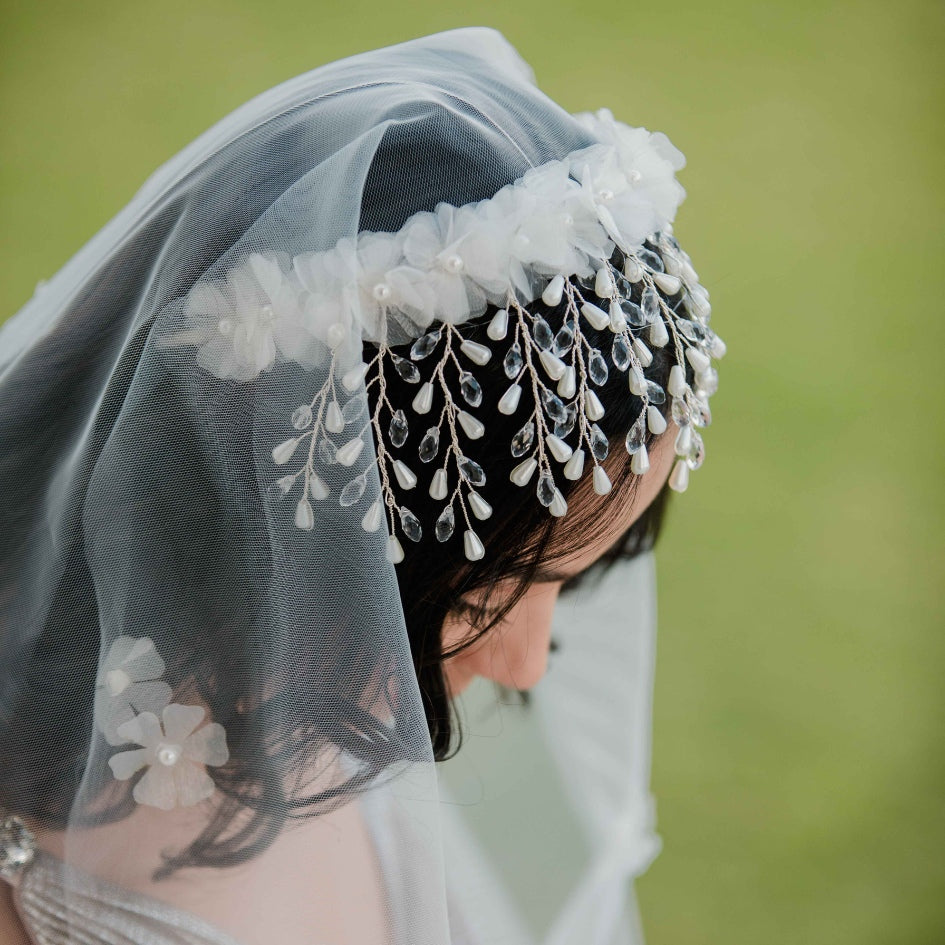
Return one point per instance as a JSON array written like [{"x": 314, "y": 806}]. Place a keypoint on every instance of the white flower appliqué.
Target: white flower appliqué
[
  {"x": 175, "y": 752},
  {"x": 128, "y": 682}
]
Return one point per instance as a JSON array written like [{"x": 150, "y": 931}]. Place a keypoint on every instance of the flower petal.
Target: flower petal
[
  {"x": 143, "y": 729},
  {"x": 207, "y": 745},
  {"x": 181, "y": 720},
  {"x": 125, "y": 763},
  {"x": 157, "y": 788}
]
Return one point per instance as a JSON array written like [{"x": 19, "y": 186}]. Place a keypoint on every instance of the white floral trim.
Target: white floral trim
[
  {"x": 132, "y": 704},
  {"x": 128, "y": 682},
  {"x": 174, "y": 751},
  {"x": 563, "y": 217}
]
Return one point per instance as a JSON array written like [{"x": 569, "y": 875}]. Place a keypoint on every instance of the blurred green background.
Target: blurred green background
[{"x": 798, "y": 754}]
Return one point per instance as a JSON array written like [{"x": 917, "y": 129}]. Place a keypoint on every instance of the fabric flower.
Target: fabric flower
[
  {"x": 249, "y": 318},
  {"x": 128, "y": 682},
  {"x": 174, "y": 753}
]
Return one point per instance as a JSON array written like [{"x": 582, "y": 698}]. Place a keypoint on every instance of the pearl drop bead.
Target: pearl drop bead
[
  {"x": 499, "y": 326},
  {"x": 472, "y": 546},
  {"x": 593, "y": 408},
  {"x": 558, "y": 448},
  {"x": 472, "y": 426},
  {"x": 438, "y": 485},
  {"x": 476, "y": 352},
  {"x": 677, "y": 381},
  {"x": 553, "y": 365},
  {"x": 655, "y": 420},
  {"x": 371, "y": 521},
  {"x": 640, "y": 462},
  {"x": 405, "y": 475},
  {"x": 604, "y": 286},
  {"x": 558, "y": 506},
  {"x": 353, "y": 378},
  {"x": 480, "y": 508},
  {"x": 598, "y": 318},
  {"x": 683, "y": 440},
  {"x": 424, "y": 398},
  {"x": 574, "y": 467},
  {"x": 553, "y": 291},
  {"x": 335, "y": 334},
  {"x": 523, "y": 471},
  {"x": 567, "y": 386},
  {"x": 319, "y": 488},
  {"x": 334, "y": 419},
  {"x": 395, "y": 551},
  {"x": 679, "y": 477},
  {"x": 348, "y": 453},
  {"x": 659, "y": 336},
  {"x": 669, "y": 284},
  {"x": 698, "y": 360},
  {"x": 602, "y": 484},
  {"x": 508, "y": 402},
  {"x": 304, "y": 515}
]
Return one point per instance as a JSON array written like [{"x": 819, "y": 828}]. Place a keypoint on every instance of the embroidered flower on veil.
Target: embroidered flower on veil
[
  {"x": 128, "y": 682},
  {"x": 175, "y": 752}
]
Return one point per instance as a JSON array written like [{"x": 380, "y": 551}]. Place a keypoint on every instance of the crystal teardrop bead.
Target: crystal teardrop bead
[
  {"x": 302, "y": 417},
  {"x": 553, "y": 405},
  {"x": 541, "y": 332},
  {"x": 371, "y": 520},
  {"x": 683, "y": 440},
  {"x": 574, "y": 467},
  {"x": 353, "y": 491},
  {"x": 593, "y": 408},
  {"x": 523, "y": 440},
  {"x": 472, "y": 426},
  {"x": 650, "y": 260},
  {"x": 654, "y": 393},
  {"x": 564, "y": 341},
  {"x": 696, "y": 455},
  {"x": 472, "y": 546},
  {"x": 636, "y": 435},
  {"x": 650, "y": 304},
  {"x": 708, "y": 381},
  {"x": 558, "y": 506},
  {"x": 334, "y": 418},
  {"x": 564, "y": 427},
  {"x": 284, "y": 484},
  {"x": 471, "y": 471},
  {"x": 567, "y": 386},
  {"x": 508, "y": 402},
  {"x": 553, "y": 292},
  {"x": 655, "y": 421},
  {"x": 600, "y": 446},
  {"x": 597, "y": 317},
  {"x": 701, "y": 414},
  {"x": 679, "y": 477},
  {"x": 445, "y": 524},
  {"x": 318, "y": 488},
  {"x": 546, "y": 489},
  {"x": 602, "y": 484},
  {"x": 354, "y": 407},
  {"x": 411, "y": 525},
  {"x": 659, "y": 336},
  {"x": 394, "y": 550},
  {"x": 470, "y": 389},
  {"x": 347, "y": 455},
  {"x": 690, "y": 330},
  {"x": 398, "y": 428},
  {"x": 499, "y": 326},
  {"x": 424, "y": 346},
  {"x": 681, "y": 413},
  {"x": 424, "y": 399},
  {"x": 406, "y": 369},
  {"x": 597, "y": 367},
  {"x": 305, "y": 515},
  {"x": 430, "y": 445},
  {"x": 640, "y": 462},
  {"x": 524, "y": 471},
  {"x": 512, "y": 362},
  {"x": 633, "y": 314},
  {"x": 327, "y": 451},
  {"x": 620, "y": 353},
  {"x": 477, "y": 353},
  {"x": 405, "y": 475},
  {"x": 480, "y": 508},
  {"x": 558, "y": 448},
  {"x": 438, "y": 485}
]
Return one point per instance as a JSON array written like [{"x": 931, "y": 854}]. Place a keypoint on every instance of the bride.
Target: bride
[{"x": 310, "y": 436}]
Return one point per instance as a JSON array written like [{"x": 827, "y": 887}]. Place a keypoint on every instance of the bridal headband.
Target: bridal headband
[{"x": 589, "y": 235}]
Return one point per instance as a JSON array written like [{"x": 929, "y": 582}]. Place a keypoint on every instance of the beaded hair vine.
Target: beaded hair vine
[{"x": 554, "y": 234}]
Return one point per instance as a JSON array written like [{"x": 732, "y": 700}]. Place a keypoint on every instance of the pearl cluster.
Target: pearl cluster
[{"x": 560, "y": 370}]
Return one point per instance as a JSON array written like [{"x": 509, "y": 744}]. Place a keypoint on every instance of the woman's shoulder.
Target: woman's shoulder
[{"x": 12, "y": 931}]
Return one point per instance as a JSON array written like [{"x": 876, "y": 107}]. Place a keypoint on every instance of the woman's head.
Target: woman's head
[{"x": 491, "y": 617}]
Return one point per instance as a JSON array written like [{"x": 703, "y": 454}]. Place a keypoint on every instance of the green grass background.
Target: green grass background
[{"x": 798, "y": 760}]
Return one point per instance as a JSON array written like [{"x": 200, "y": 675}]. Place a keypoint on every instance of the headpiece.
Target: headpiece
[{"x": 554, "y": 234}]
